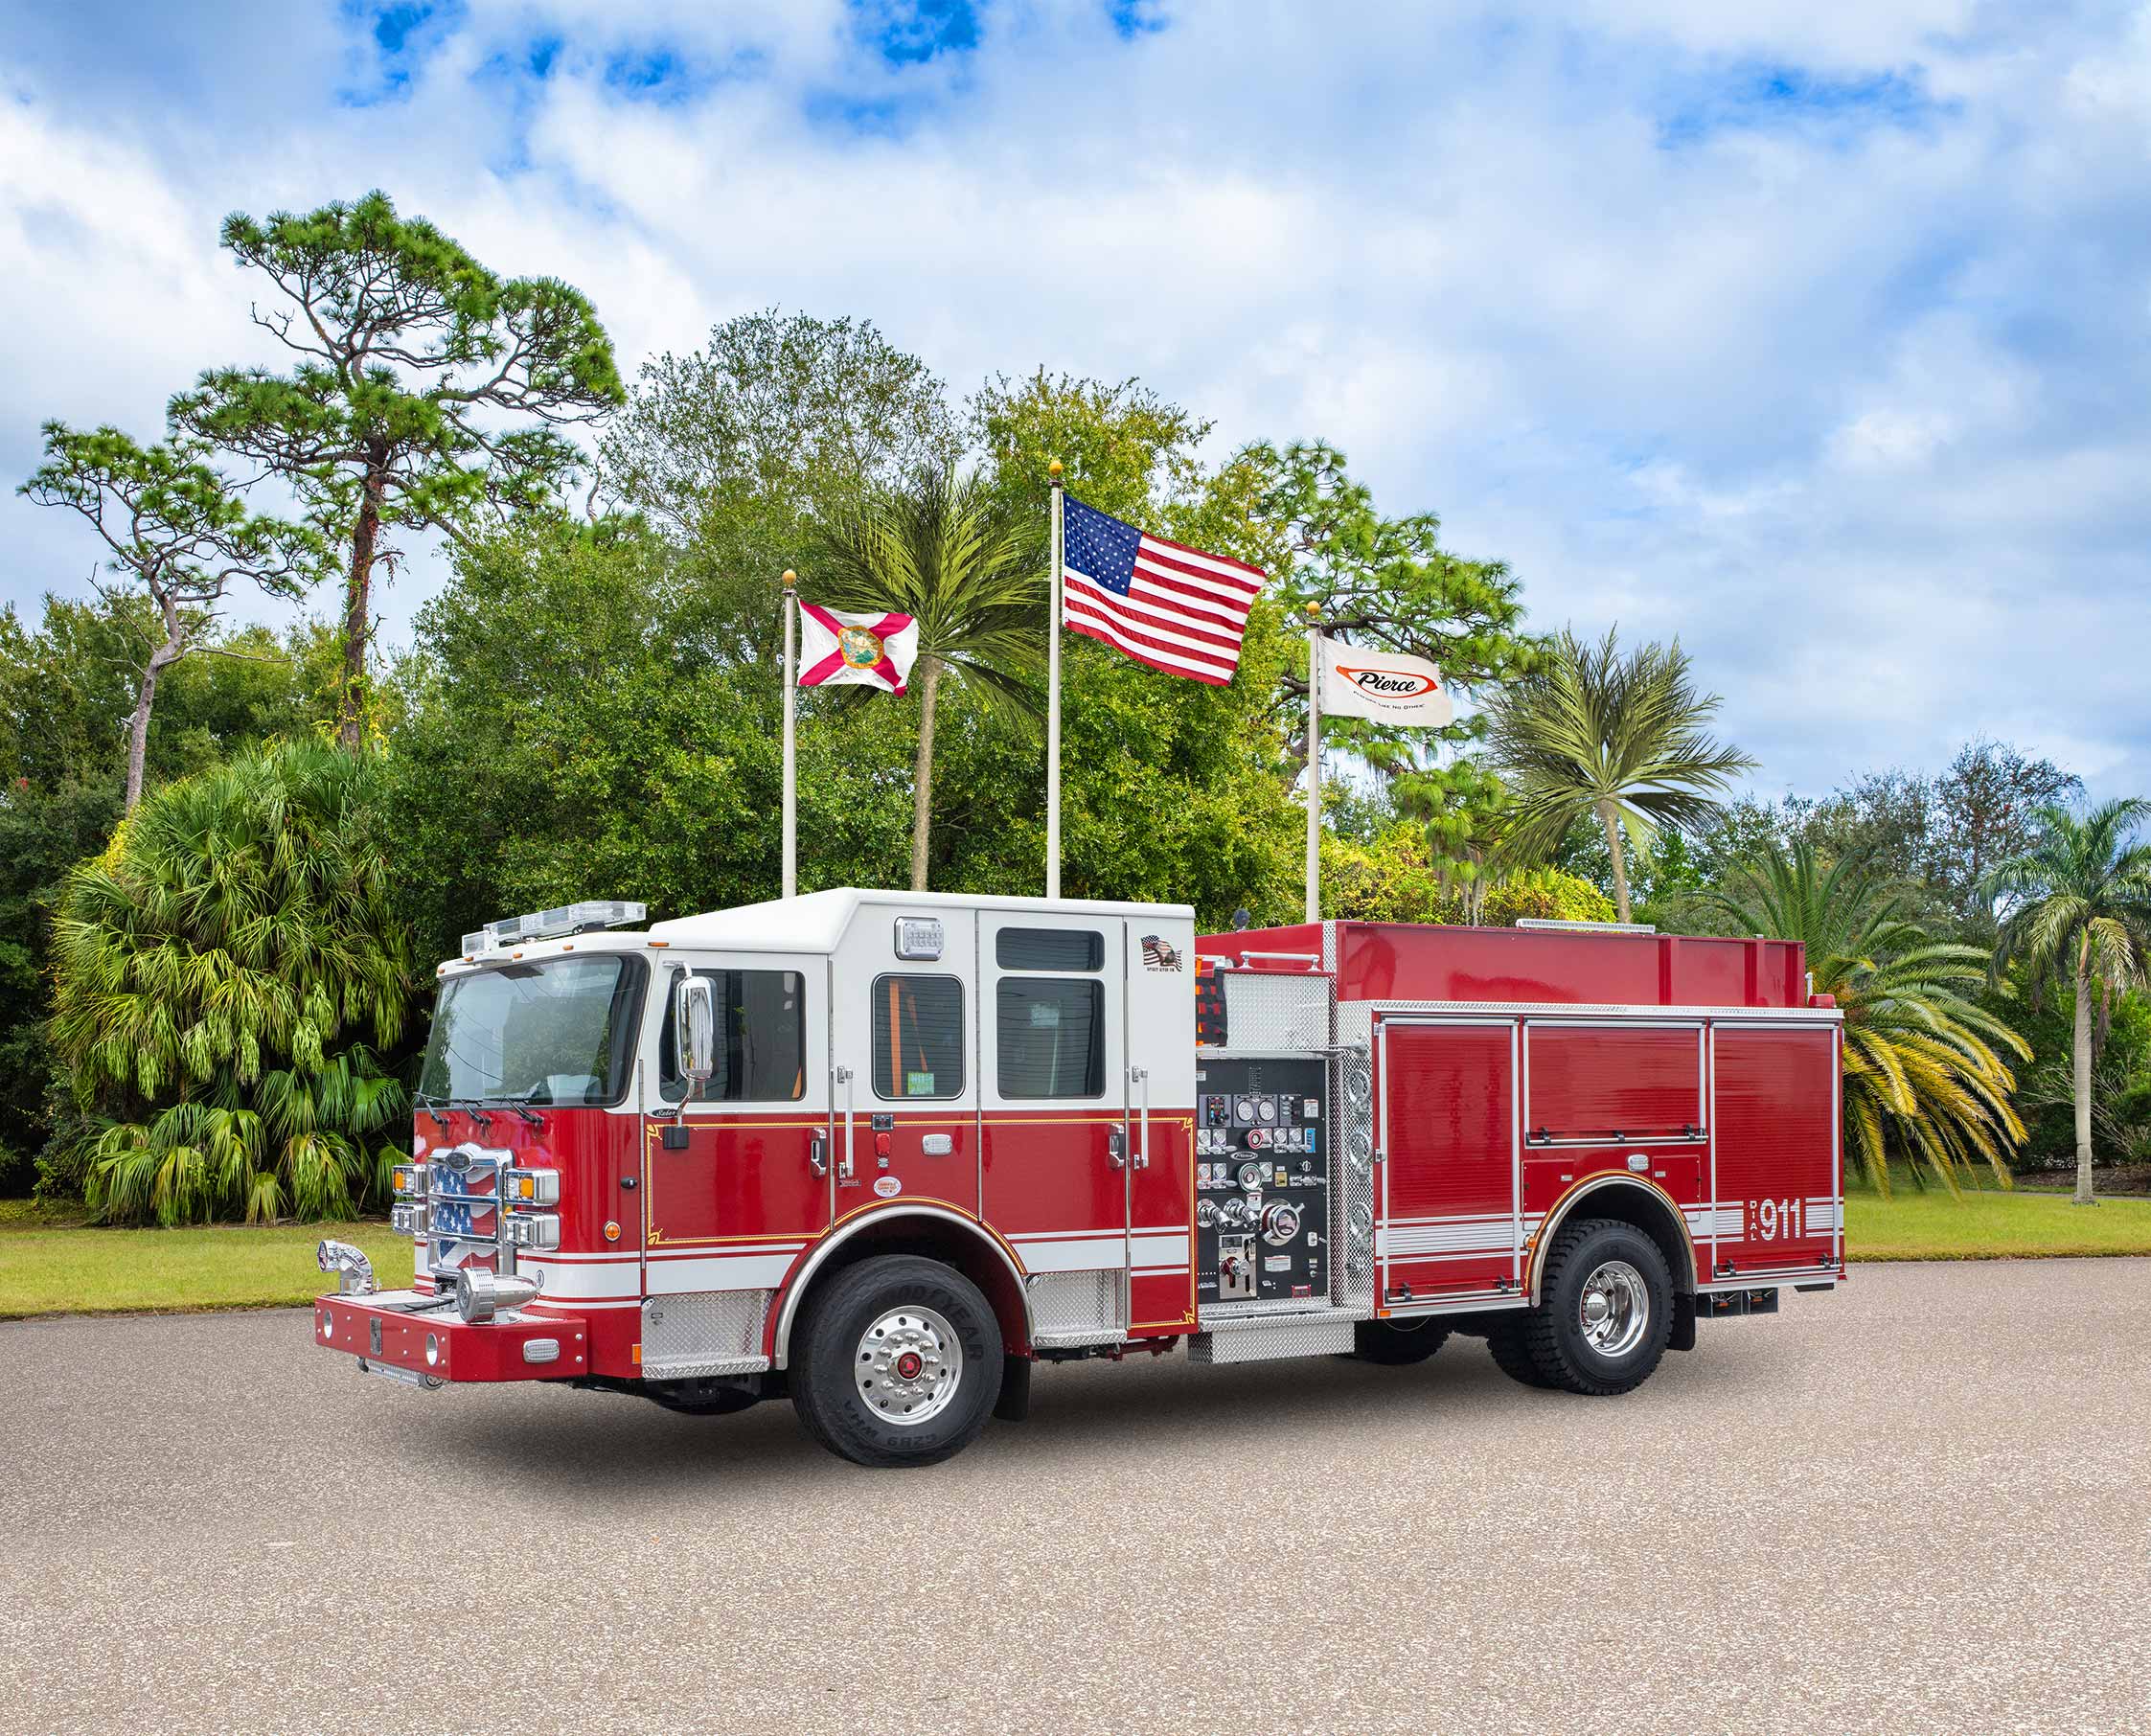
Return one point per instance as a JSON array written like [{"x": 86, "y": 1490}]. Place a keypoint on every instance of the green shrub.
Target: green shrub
[{"x": 216, "y": 971}]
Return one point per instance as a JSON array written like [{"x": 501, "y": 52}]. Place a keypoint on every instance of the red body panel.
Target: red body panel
[
  {"x": 1777, "y": 1150},
  {"x": 1449, "y": 1133},
  {"x": 1402, "y": 961},
  {"x": 1612, "y": 1082}
]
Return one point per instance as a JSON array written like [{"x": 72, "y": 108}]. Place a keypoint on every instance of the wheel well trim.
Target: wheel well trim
[
  {"x": 797, "y": 1285},
  {"x": 1542, "y": 1239}
]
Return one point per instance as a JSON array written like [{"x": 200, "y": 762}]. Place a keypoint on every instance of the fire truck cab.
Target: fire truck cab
[{"x": 882, "y": 1152}]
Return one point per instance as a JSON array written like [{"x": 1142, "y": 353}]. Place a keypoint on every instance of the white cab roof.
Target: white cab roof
[{"x": 816, "y": 922}]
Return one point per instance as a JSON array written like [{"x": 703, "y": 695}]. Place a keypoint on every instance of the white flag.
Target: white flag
[
  {"x": 838, "y": 649},
  {"x": 1383, "y": 686}
]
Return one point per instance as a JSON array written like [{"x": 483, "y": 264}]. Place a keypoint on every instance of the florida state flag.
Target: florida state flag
[{"x": 836, "y": 647}]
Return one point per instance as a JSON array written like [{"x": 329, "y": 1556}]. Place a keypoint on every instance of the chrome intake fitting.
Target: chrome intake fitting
[
  {"x": 355, "y": 1272},
  {"x": 481, "y": 1294}
]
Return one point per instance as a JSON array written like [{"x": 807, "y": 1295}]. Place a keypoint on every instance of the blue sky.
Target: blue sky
[{"x": 1818, "y": 335}]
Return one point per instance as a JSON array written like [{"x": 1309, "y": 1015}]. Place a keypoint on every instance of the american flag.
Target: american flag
[{"x": 1164, "y": 603}]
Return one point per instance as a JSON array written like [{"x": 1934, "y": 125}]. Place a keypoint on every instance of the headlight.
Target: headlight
[
  {"x": 535, "y": 1229},
  {"x": 407, "y": 1220},
  {"x": 531, "y": 1187}
]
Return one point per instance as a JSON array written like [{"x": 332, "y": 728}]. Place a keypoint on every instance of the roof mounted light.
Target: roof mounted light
[
  {"x": 554, "y": 925},
  {"x": 1548, "y": 924}
]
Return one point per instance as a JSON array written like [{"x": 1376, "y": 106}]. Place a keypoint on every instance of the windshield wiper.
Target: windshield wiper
[{"x": 429, "y": 1106}]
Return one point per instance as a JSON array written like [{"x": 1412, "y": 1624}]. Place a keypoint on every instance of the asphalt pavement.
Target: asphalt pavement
[{"x": 1922, "y": 1505}]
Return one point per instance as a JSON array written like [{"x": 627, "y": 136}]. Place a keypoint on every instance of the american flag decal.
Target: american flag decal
[
  {"x": 1158, "y": 956},
  {"x": 1174, "y": 607}
]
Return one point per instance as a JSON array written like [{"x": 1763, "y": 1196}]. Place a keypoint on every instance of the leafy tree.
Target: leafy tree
[
  {"x": 943, "y": 551},
  {"x": 733, "y": 450},
  {"x": 415, "y": 363},
  {"x": 1922, "y": 1075},
  {"x": 2078, "y": 908},
  {"x": 1941, "y": 834},
  {"x": 578, "y": 725},
  {"x": 1621, "y": 738},
  {"x": 173, "y": 526},
  {"x": 217, "y": 974},
  {"x": 1396, "y": 878}
]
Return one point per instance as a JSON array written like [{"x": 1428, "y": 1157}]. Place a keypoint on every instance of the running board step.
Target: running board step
[{"x": 1260, "y": 1340}]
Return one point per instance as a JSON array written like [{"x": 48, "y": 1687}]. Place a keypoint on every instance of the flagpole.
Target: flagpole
[
  {"x": 1313, "y": 762},
  {"x": 1053, "y": 702},
  {"x": 790, "y": 766}
]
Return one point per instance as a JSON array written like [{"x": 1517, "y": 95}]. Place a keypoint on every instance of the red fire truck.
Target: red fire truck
[{"x": 882, "y": 1152}]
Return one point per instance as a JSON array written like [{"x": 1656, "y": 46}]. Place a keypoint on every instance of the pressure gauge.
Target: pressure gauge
[
  {"x": 1244, "y": 1111},
  {"x": 1265, "y": 1110}
]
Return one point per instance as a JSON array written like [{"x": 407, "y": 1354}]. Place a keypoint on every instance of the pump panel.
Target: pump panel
[{"x": 1262, "y": 1179}]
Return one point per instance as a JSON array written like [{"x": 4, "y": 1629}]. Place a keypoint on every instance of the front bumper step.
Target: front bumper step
[{"x": 428, "y": 1342}]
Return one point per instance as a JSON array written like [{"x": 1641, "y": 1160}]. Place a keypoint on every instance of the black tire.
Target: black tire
[
  {"x": 838, "y": 1330},
  {"x": 1397, "y": 1343},
  {"x": 708, "y": 1397},
  {"x": 1505, "y": 1342},
  {"x": 1555, "y": 1333}
]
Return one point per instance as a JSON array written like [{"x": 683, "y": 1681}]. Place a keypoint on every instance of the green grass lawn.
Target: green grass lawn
[
  {"x": 1988, "y": 1224},
  {"x": 52, "y": 1265}
]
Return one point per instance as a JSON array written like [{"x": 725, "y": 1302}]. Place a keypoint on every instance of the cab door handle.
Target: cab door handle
[
  {"x": 817, "y": 1153},
  {"x": 1116, "y": 1148}
]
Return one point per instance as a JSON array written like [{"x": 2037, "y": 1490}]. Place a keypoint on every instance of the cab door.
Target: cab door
[
  {"x": 1055, "y": 1144},
  {"x": 739, "y": 1177}
]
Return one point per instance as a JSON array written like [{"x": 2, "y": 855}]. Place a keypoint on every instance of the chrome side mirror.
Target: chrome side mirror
[{"x": 694, "y": 1031}]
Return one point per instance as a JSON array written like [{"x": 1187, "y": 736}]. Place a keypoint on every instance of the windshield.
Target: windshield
[{"x": 556, "y": 1032}]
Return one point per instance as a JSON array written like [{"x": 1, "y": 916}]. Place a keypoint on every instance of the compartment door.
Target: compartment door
[
  {"x": 1447, "y": 1227},
  {"x": 1774, "y": 1149}
]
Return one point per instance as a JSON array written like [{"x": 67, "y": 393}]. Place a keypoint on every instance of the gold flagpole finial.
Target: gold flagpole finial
[
  {"x": 1053, "y": 468},
  {"x": 1314, "y": 612},
  {"x": 791, "y": 578}
]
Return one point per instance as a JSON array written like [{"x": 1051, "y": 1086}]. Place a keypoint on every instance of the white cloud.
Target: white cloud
[{"x": 1815, "y": 335}]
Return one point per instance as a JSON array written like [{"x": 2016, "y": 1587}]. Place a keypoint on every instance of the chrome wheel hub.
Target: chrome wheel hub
[
  {"x": 908, "y": 1365},
  {"x": 1616, "y": 1309}
]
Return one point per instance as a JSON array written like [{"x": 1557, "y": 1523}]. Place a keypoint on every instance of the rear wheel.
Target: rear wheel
[
  {"x": 1397, "y": 1343},
  {"x": 1604, "y": 1310},
  {"x": 897, "y": 1361}
]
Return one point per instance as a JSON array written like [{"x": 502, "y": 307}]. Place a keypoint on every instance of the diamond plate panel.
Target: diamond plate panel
[
  {"x": 1076, "y": 1307},
  {"x": 710, "y": 1332},
  {"x": 1253, "y": 1343},
  {"x": 1266, "y": 1012}
]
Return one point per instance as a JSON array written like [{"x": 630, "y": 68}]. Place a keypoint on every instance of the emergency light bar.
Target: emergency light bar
[{"x": 554, "y": 925}]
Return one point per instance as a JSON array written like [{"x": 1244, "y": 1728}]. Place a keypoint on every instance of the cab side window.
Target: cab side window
[
  {"x": 761, "y": 1039},
  {"x": 918, "y": 1037},
  {"x": 1049, "y": 1032}
]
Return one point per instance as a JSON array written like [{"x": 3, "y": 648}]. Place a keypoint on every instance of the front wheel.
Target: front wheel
[
  {"x": 897, "y": 1362},
  {"x": 1604, "y": 1310}
]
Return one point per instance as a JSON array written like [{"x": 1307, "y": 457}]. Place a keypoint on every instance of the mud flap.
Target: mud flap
[
  {"x": 1683, "y": 1323},
  {"x": 1015, "y": 1403}
]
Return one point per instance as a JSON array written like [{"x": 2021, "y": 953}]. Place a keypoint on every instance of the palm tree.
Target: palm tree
[
  {"x": 2079, "y": 909},
  {"x": 1623, "y": 737},
  {"x": 944, "y": 550},
  {"x": 1921, "y": 1072},
  {"x": 215, "y": 972}
]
